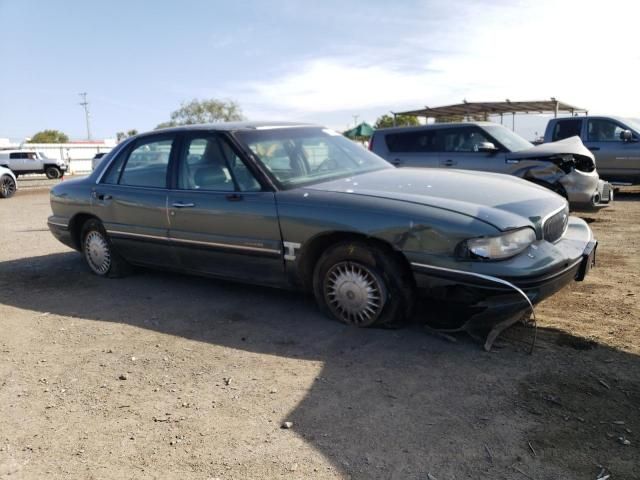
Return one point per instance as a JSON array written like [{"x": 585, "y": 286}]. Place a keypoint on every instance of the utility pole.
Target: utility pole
[
  {"x": 355, "y": 120},
  {"x": 85, "y": 104}
]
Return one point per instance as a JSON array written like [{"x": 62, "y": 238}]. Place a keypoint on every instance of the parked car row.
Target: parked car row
[
  {"x": 300, "y": 206},
  {"x": 565, "y": 167}
]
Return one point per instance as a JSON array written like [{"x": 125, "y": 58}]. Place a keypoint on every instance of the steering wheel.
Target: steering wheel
[{"x": 327, "y": 164}]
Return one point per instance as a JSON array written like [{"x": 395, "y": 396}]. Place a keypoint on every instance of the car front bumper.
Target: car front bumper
[
  {"x": 537, "y": 288},
  {"x": 585, "y": 190},
  {"x": 538, "y": 273}
]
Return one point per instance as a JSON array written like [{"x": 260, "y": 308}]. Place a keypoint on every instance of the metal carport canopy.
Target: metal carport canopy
[{"x": 495, "y": 108}]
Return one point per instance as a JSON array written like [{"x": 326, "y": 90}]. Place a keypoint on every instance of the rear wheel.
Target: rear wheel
[
  {"x": 360, "y": 284},
  {"x": 53, "y": 173},
  {"x": 99, "y": 253},
  {"x": 7, "y": 186}
]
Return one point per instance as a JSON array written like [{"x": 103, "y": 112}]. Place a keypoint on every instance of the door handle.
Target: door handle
[
  {"x": 396, "y": 162},
  {"x": 594, "y": 149},
  {"x": 101, "y": 196},
  {"x": 449, "y": 163},
  {"x": 184, "y": 205},
  {"x": 234, "y": 197}
]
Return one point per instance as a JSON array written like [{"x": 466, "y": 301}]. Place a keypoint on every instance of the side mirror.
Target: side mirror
[
  {"x": 487, "y": 147},
  {"x": 626, "y": 135}
]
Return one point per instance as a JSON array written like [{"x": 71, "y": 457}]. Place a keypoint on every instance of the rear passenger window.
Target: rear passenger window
[
  {"x": 147, "y": 165},
  {"x": 566, "y": 128},
  {"x": 407, "y": 142},
  {"x": 144, "y": 166}
]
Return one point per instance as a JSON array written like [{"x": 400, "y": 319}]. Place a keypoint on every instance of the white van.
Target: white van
[{"x": 21, "y": 162}]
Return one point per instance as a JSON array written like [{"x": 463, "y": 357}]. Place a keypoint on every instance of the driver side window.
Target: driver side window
[
  {"x": 209, "y": 163},
  {"x": 600, "y": 130},
  {"x": 463, "y": 140}
]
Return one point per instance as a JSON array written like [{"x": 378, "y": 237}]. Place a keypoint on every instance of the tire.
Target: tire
[
  {"x": 7, "y": 186},
  {"x": 53, "y": 172},
  {"x": 360, "y": 284},
  {"x": 97, "y": 249}
]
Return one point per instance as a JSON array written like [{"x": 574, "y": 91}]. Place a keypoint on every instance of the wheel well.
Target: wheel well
[
  {"x": 312, "y": 251},
  {"x": 75, "y": 227}
]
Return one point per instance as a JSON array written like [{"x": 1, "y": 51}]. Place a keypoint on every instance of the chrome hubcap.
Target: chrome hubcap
[
  {"x": 354, "y": 293},
  {"x": 97, "y": 252}
]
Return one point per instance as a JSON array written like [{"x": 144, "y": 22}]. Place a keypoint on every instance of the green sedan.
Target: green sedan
[{"x": 300, "y": 206}]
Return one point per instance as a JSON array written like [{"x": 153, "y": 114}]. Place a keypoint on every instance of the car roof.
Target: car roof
[
  {"x": 233, "y": 126},
  {"x": 581, "y": 117},
  {"x": 434, "y": 126}
]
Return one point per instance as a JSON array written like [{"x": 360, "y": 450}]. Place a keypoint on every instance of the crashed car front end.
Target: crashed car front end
[
  {"x": 500, "y": 290},
  {"x": 567, "y": 167},
  {"x": 541, "y": 268}
]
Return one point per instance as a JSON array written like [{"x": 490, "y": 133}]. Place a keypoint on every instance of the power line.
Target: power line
[{"x": 85, "y": 104}]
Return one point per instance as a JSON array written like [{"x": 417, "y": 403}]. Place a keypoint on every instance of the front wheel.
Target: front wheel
[
  {"x": 7, "y": 186},
  {"x": 98, "y": 251},
  {"x": 360, "y": 284},
  {"x": 53, "y": 172}
]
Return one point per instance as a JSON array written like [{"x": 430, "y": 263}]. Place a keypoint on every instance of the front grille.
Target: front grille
[{"x": 555, "y": 226}]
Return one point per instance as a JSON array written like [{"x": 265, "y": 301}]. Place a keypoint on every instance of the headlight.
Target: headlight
[{"x": 501, "y": 246}]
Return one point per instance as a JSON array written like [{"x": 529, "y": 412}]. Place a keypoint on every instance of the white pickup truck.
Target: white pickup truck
[{"x": 21, "y": 162}]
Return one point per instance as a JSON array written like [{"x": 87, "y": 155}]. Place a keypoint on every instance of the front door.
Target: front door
[
  {"x": 131, "y": 201},
  {"x": 221, "y": 221},
  {"x": 616, "y": 159},
  {"x": 460, "y": 147}
]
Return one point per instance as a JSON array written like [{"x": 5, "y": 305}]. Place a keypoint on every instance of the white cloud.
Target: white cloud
[{"x": 582, "y": 52}]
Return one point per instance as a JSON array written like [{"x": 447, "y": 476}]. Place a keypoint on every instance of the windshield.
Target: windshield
[
  {"x": 304, "y": 156},
  {"x": 633, "y": 123},
  {"x": 511, "y": 141}
]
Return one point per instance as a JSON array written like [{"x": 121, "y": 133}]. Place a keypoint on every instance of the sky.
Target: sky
[{"x": 323, "y": 62}]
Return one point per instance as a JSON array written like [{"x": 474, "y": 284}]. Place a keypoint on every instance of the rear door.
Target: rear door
[
  {"x": 31, "y": 162},
  {"x": 566, "y": 128},
  {"x": 17, "y": 161},
  {"x": 222, "y": 221},
  {"x": 414, "y": 148},
  {"x": 459, "y": 147},
  {"x": 131, "y": 201},
  {"x": 616, "y": 159}
]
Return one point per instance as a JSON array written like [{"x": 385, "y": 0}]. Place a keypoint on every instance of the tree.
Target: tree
[
  {"x": 386, "y": 121},
  {"x": 204, "y": 111},
  {"x": 49, "y": 136},
  {"x": 122, "y": 135}
]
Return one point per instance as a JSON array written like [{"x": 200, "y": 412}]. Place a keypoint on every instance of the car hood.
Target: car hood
[
  {"x": 503, "y": 201},
  {"x": 568, "y": 146}
]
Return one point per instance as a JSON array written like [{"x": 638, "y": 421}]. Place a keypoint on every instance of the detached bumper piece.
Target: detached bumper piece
[{"x": 588, "y": 261}]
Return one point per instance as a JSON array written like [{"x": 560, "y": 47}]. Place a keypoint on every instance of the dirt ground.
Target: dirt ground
[{"x": 166, "y": 376}]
